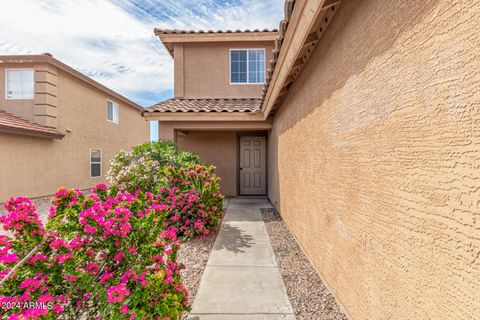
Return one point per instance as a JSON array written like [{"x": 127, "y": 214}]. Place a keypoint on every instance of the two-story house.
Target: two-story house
[
  {"x": 370, "y": 115},
  {"x": 59, "y": 127},
  {"x": 219, "y": 77}
]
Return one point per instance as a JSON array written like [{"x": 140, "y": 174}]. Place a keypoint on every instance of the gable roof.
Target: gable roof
[
  {"x": 13, "y": 124},
  {"x": 299, "y": 33},
  {"x": 205, "y": 105}
]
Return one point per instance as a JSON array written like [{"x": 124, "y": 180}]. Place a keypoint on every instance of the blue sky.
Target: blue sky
[{"x": 113, "y": 42}]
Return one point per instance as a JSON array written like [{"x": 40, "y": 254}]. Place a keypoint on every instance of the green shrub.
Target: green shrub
[
  {"x": 178, "y": 179},
  {"x": 140, "y": 168}
]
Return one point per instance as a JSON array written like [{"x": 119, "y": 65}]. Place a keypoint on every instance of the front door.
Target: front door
[{"x": 252, "y": 166}]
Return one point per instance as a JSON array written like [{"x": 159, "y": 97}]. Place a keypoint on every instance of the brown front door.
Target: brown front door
[{"x": 252, "y": 166}]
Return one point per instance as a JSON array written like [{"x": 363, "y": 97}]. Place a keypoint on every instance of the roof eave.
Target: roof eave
[
  {"x": 31, "y": 133},
  {"x": 300, "y": 32},
  {"x": 169, "y": 39},
  {"x": 202, "y": 116}
]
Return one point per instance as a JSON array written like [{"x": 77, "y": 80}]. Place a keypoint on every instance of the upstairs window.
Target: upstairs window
[
  {"x": 112, "y": 111},
  {"x": 95, "y": 163},
  {"x": 247, "y": 66},
  {"x": 19, "y": 83}
]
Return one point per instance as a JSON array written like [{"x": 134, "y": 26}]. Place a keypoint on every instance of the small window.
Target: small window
[
  {"x": 95, "y": 163},
  {"x": 112, "y": 111},
  {"x": 19, "y": 83},
  {"x": 247, "y": 66}
]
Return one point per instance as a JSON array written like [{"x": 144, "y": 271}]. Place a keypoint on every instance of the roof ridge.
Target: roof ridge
[{"x": 158, "y": 31}]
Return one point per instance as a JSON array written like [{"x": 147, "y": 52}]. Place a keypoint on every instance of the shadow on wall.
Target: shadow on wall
[{"x": 234, "y": 239}]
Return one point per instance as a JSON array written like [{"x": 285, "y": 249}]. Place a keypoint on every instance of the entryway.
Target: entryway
[{"x": 253, "y": 173}]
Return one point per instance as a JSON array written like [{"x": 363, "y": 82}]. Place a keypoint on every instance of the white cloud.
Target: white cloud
[{"x": 113, "y": 42}]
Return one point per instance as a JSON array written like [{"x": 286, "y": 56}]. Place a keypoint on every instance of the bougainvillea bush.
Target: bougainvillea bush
[
  {"x": 193, "y": 196},
  {"x": 109, "y": 255},
  {"x": 140, "y": 168},
  {"x": 190, "y": 188}
]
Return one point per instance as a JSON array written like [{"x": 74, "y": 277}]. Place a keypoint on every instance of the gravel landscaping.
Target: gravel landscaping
[
  {"x": 309, "y": 297},
  {"x": 194, "y": 256}
]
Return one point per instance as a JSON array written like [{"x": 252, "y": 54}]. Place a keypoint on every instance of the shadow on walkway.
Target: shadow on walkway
[{"x": 233, "y": 239}]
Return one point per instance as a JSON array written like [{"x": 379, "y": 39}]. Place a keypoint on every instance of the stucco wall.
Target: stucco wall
[
  {"x": 206, "y": 69},
  {"x": 375, "y": 159},
  {"x": 218, "y": 149},
  {"x": 37, "y": 167}
]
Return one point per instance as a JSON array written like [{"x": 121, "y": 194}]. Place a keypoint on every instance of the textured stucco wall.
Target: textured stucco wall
[
  {"x": 37, "y": 167},
  {"x": 218, "y": 149},
  {"x": 375, "y": 159},
  {"x": 206, "y": 70}
]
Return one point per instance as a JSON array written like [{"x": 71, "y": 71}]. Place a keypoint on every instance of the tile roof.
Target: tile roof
[
  {"x": 14, "y": 124},
  {"x": 206, "y": 105},
  {"x": 311, "y": 42},
  {"x": 181, "y": 31}
]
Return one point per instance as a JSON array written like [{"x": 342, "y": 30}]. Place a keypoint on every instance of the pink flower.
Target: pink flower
[
  {"x": 57, "y": 309},
  {"x": 9, "y": 258},
  {"x": 70, "y": 278},
  {"x": 89, "y": 229},
  {"x": 63, "y": 258},
  {"x": 117, "y": 293},
  {"x": 170, "y": 233},
  {"x": 118, "y": 257},
  {"x": 57, "y": 244},
  {"x": 124, "y": 309},
  {"x": 36, "y": 258},
  {"x": 105, "y": 277},
  {"x": 93, "y": 268},
  {"x": 132, "y": 250}
]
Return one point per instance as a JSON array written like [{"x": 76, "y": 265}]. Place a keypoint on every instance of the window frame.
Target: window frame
[
  {"x": 6, "y": 83},
  {"x": 248, "y": 73},
  {"x": 113, "y": 111},
  {"x": 100, "y": 162}
]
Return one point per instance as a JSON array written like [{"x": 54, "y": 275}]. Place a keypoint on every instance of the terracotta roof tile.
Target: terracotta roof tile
[
  {"x": 15, "y": 124},
  {"x": 309, "y": 46},
  {"x": 180, "y": 31},
  {"x": 206, "y": 105}
]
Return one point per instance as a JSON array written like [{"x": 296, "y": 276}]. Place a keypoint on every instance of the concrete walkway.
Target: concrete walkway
[{"x": 242, "y": 279}]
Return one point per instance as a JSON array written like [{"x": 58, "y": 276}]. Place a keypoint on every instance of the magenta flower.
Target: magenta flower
[
  {"x": 117, "y": 293},
  {"x": 119, "y": 256},
  {"x": 9, "y": 258}
]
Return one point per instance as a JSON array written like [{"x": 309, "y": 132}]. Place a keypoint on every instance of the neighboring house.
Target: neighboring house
[
  {"x": 365, "y": 136},
  {"x": 59, "y": 127}
]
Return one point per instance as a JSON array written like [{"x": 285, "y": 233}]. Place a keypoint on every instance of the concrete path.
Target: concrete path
[{"x": 242, "y": 279}]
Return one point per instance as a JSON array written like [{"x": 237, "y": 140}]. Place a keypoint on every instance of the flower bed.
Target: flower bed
[
  {"x": 111, "y": 254},
  {"x": 107, "y": 255}
]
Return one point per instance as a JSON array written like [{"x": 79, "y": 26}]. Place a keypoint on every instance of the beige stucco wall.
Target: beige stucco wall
[
  {"x": 215, "y": 142},
  {"x": 202, "y": 70},
  {"x": 375, "y": 159},
  {"x": 37, "y": 167},
  {"x": 218, "y": 149}
]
